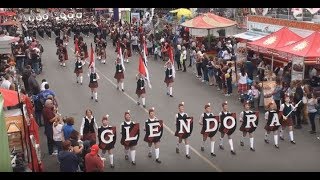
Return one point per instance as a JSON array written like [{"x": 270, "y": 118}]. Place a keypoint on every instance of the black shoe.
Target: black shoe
[
  {"x": 158, "y": 161},
  {"x": 202, "y": 148},
  {"x": 298, "y": 127},
  {"x": 312, "y": 132},
  {"x": 221, "y": 147},
  {"x": 184, "y": 71},
  {"x": 77, "y": 82},
  {"x": 122, "y": 90},
  {"x": 266, "y": 141},
  {"x": 96, "y": 100},
  {"x": 126, "y": 157},
  {"x": 80, "y": 83},
  {"x": 281, "y": 138},
  {"x": 91, "y": 97},
  {"x": 188, "y": 157},
  {"x": 171, "y": 96},
  {"x": 144, "y": 106},
  {"x": 293, "y": 142},
  {"x": 277, "y": 146},
  {"x": 189, "y": 66},
  {"x": 233, "y": 152},
  {"x": 138, "y": 103},
  {"x": 241, "y": 143},
  {"x": 133, "y": 163},
  {"x": 112, "y": 166},
  {"x": 252, "y": 149},
  {"x": 149, "y": 155},
  {"x": 168, "y": 94},
  {"x": 177, "y": 150},
  {"x": 213, "y": 154}
]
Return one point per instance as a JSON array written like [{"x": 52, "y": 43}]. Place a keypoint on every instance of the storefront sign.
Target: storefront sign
[
  {"x": 270, "y": 25},
  {"x": 297, "y": 68}
]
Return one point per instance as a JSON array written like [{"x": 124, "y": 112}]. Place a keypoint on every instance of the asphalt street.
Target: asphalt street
[{"x": 74, "y": 99}]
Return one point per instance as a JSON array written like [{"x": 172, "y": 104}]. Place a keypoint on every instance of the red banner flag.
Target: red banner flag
[
  {"x": 91, "y": 64},
  {"x": 143, "y": 70}
]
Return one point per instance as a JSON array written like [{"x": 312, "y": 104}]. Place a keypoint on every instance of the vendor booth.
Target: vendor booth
[
  {"x": 270, "y": 43},
  {"x": 303, "y": 53},
  {"x": 22, "y": 132}
]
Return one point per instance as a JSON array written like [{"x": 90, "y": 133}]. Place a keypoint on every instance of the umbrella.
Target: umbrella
[
  {"x": 10, "y": 97},
  {"x": 10, "y": 23},
  {"x": 182, "y": 12},
  {"x": 7, "y": 13},
  {"x": 209, "y": 21}
]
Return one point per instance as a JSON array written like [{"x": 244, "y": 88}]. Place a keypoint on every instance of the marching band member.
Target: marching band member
[
  {"x": 131, "y": 147},
  {"x": 207, "y": 114},
  {"x": 156, "y": 142},
  {"x": 141, "y": 90},
  {"x": 169, "y": 77},
  {"x": 244, "y": 119},
  {"x": 78, "y": 69},
  {"x": 88, "y": 127},
  {"x": 94, "y": 77},
  {"x": 83, "y": 48},
  {"x": 104, "y": 147},
  {"x": 125, "y": 50},
  {"x": 62, "y": 55},
  {"x": 119, "y": 75},
  {"x": 285, "y": 118},
  {"x": 182, "y": 115},
  {"x": 273, "y": 123},
  {"x": 65, "y": 40},
  {"x": 224, "y": 113}
]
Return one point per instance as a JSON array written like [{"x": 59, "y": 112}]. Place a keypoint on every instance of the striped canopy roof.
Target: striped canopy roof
[{"x": 208, "y": 21}]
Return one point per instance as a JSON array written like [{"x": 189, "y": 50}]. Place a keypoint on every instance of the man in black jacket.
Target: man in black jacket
[{"x": 296, "y": 99}]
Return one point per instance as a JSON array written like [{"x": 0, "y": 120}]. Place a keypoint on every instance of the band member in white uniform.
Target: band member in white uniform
[
  {"x": 273, "y": 123},
  {"x": 169, "y": 78},
  {"x": 127, "y": 121},
  {"x": 78, "y": 69},
  {"x": 207, "y": 114},
  {"x": 153, "y": 118},
  {"x": 243, "y": 128},
  {"x": 119, "y": 75},
  {"x": 286, "y": 119},
  {"x": 222, "y": 115},
  {"x": 106, "y": 126},
  {"x": 141, "y": 90},
  {"x": 181, "y": 114},
  {"x": 94, "y": 77}
]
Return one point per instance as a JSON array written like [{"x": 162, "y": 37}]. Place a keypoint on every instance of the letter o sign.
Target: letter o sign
[{"x": 229, "y": 118}]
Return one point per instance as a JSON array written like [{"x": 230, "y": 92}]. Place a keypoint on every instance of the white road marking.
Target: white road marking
[{"x": 165, "y": 126}]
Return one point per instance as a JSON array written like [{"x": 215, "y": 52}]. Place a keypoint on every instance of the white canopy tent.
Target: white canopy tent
[
  {"x": 5, "y": 43},
  {"x": 251, "y": 35}
]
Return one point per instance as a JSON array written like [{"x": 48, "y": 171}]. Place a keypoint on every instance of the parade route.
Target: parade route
[{"x": 74, "y": 99}]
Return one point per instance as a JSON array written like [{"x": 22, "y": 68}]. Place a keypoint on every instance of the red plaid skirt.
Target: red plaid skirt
[
  {"x": 78, "y": 71},
  {"x": 119, "y": 75},
  {"x": 140, "y": 91},
  {"x": 168, "y": 80},
  {"x": 93, "y": 85}
]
